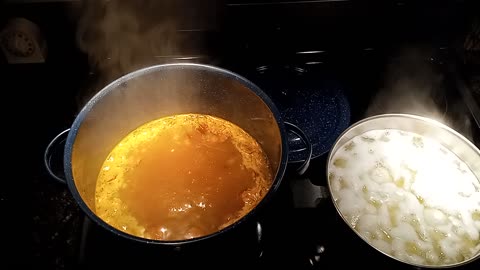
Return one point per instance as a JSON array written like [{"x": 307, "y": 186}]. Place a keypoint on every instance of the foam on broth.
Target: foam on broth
[
  {"x": 408, "y": 196},
  {"x": 181, "y": 177}
]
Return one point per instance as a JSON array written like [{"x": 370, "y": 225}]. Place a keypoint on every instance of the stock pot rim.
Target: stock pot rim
[{"x": 152, "y": 69}]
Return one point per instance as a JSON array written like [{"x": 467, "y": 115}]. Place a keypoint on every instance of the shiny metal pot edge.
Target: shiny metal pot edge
[
  {"x": 117, "y": 91},
  {"x": 427, "y": 127}
]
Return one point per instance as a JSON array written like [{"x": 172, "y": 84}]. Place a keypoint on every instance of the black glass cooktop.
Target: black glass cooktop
[
  {"x": 300, "y": 227},
  {"x": 325, "y": 64}
]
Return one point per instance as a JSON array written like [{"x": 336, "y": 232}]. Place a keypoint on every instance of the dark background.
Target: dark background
[{"x": 40, "y": 221}]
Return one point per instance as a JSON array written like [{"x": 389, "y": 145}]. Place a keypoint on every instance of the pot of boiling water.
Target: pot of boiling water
[
  {"x": 409, "y": 186},
  {"x": 175, "y": 153}
]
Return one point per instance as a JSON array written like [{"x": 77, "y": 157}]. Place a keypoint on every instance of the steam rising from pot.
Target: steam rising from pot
[
  {"x": 413, "y": 85},
  {"x": 123, "y": 35}
]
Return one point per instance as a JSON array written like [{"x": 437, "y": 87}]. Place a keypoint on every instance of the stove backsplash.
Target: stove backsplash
[
  {"x": 234, "y": 32},
  {"x": 267, "y": 25}
]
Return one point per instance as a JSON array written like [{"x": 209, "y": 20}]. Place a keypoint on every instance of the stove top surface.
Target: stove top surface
[{"x": 300, "y": 227}]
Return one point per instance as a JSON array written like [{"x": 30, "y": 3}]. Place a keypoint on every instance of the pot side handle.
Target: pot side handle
[
  {"x": 299, "y": 132},
  {"x": 52, "y": 151}
]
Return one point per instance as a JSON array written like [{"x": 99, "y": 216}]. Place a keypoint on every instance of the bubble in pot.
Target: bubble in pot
[{"x": 181, "y": 177}]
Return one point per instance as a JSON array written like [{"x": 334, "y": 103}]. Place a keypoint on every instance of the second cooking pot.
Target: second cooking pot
[{"x": 430, "y": 129}]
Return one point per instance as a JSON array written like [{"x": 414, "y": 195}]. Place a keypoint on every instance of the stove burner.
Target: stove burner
[{"x": 312, "y": 101}]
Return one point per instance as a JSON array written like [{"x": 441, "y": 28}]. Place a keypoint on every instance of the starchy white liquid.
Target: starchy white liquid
[{"x": 408, "y": 196}]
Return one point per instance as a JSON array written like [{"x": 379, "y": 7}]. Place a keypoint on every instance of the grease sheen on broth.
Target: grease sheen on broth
[
  {"x": 408, "y": 196},
  {"x": 181, "y": 177}
]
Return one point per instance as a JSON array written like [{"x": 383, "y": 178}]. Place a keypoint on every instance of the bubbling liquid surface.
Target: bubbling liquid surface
[
  {"x": 408, "y": 196},
  {"x": 181, "y": 177}
]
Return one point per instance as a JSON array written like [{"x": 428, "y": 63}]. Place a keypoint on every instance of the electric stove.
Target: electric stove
[
  {"x": 325, "y": 64},
  {"x": 300, "y": 227}
]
